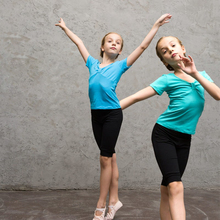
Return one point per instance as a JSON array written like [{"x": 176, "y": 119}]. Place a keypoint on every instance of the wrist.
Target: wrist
[
  {"x": 64, "y": 28},
  {"x": 195, "y": 74},
  {"x": 156, "y": 25}
]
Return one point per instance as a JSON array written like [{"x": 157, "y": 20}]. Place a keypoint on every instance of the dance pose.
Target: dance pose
[
  {"x": 171, "y": 136},
  {"x": 106, "y": 111}
]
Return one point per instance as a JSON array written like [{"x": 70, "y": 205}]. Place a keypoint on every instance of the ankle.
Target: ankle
[
  {"x": 113, "y": 202},
  {"x": 101, "y": 205}
]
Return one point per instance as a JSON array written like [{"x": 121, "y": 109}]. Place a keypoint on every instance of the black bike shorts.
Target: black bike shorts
[
  {"x": 171, "y": 150},
  {"x": 106, "y": 126}
]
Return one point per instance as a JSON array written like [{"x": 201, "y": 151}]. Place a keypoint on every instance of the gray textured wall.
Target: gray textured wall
[{"x": 45, "y": 131}]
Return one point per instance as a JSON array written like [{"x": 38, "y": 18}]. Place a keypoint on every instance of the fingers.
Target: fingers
[
  {"x": 60, "y": 22},
  {"x": 190, "y": 58},
  {"x": 167, "y": 16}
]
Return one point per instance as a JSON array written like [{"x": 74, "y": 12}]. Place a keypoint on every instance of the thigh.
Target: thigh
[
  {"x": 166, "y": 155},
  {"x": 183, "y": 155},
  {"x": 111, "y": 129},
  {"x": 97, "y": 117},
  {"x": 167, "y": 160},
  {"x": 97, "y": 131}
]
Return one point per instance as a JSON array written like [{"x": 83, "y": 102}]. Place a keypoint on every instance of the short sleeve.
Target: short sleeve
[
  {"x": 160, "y": 85},
  {"x": 203, "y": 73},
  {"x": 124, "y": 65},
  {"x": 90, "y": 61}
]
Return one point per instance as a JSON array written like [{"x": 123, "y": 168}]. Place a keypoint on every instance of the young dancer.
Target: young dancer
[
  {"x": 171, "y": 136},
  {"x": 105, "y": 108}
]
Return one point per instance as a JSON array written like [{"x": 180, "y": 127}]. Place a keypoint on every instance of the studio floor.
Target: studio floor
[{"x": 80, "y": 204}]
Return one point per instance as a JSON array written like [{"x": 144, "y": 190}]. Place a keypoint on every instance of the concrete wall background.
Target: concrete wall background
[{"x": 46, "y": 141}]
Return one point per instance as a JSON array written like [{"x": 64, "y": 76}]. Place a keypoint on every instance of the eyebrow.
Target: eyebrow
[
  {"x": 112, "y": 39},
  {"x": 165, "y": 47}
]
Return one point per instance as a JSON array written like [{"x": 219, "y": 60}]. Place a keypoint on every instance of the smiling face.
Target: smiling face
[
  {"x": 112, "y": 44},
  {"x": 169, "y": 50}
]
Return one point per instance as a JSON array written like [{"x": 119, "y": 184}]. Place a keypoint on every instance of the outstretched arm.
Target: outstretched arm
[
  {"x": 76, "y": 40},
  {"x": 190, "y": 68},
  {"x": 147, "y": 40},
  {"x": 138, "y": 96}
]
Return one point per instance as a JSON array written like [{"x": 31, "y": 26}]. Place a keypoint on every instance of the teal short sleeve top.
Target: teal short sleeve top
[{"x": 186, "y": 102}]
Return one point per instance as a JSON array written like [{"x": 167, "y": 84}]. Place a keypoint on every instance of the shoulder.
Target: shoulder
[
  {"x": 121, "y": 64},
  {"x": 91, "y": 60}
]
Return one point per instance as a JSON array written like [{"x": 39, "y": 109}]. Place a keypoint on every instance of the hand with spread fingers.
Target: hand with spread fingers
[{"x": 188, "y": 65}]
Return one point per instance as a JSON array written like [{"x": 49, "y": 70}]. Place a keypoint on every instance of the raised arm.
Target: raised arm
[
  {"x": 147, "y": 40},
  {"x": 137, "y": 97},
  {"x": 190, "y": 68},
  {"x": 76, "y": 40}
]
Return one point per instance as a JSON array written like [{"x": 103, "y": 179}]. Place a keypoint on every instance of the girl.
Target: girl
[
  {"x": 105, "y": 108},
  {"x": 171, "y": 136}
]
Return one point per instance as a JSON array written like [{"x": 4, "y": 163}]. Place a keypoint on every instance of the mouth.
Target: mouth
[
  {"x": 173, "y": 55},
  {"x": 112, "y": 48}
]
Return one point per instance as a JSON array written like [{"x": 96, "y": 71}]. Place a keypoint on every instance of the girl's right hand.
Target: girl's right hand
[
  {"x": 163, "y": 19},
  {"x": 61, "y": 23}
]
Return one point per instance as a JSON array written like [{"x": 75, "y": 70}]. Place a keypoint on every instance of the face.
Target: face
[
  {"x": 113, "y": 44},
  {"x": 170, "y": 50}
]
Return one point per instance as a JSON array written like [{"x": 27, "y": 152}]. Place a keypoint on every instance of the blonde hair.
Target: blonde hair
[
  {"x": 103, "y": 42},
  {"x": 160, "y": 56}
]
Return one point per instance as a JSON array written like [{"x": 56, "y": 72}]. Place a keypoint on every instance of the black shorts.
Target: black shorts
[
  {"x": 106, "y": 126},
  {"x": 171, "y": 150}
]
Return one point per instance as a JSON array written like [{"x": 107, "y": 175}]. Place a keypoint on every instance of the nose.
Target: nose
[{"x": 170, "y": 49}]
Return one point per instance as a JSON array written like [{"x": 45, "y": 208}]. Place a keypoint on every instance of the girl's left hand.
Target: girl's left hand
[{"x": 188, "y": 65}]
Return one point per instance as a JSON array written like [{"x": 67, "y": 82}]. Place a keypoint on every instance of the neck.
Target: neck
[
  {"x": 107, "y": 59},
  {"x": 178, "y": 70}
]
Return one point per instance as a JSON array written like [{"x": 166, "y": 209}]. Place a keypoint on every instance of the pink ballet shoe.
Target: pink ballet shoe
[
  {"x": 114, "y": 209},
  {"x": 99, "y": 217}
]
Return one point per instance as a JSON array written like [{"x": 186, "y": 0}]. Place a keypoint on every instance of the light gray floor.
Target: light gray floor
[{"x": 80, "y": 204}]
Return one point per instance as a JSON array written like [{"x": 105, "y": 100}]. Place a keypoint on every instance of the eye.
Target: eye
[
  {"x": 164, "y": 51},
  {"x": 173, "y": 45}
]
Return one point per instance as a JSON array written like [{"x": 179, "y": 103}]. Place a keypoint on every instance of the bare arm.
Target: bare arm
[
  {"x": 190, "y": 68},
  {"x": 138, "y": 96},
  {"x": 76, "y": 40},
  {"x": 147, "y": 40}
]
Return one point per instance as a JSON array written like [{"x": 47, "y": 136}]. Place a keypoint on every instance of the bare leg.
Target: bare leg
[
  {"x": 113, "y": 190},
  {"x": 176, "y": 200},
  {"x": 164, "y": 204},
  {"x": 105, "y": 181}
]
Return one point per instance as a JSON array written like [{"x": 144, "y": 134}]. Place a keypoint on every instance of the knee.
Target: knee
[
  {"x": 105, "y": 162},
  {"x": 175, "y": 188}
]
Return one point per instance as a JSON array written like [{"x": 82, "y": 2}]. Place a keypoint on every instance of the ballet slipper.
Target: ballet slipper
[
  {"x": 114, "y": 209},
  {"x": 99, "y": 217}
]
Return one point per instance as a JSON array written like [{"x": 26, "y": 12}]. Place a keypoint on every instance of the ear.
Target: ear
[{"x": 183, "y": 48}]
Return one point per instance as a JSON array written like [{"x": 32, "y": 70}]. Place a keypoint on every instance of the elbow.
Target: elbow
[
  {"x": 217, "y": 97},
  {"x": 144, "y": 47}
]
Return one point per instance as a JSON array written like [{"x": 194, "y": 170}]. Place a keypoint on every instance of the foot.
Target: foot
[
  {"x": 113, "y": 209},
  {"x": 98, "y": 216}
]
